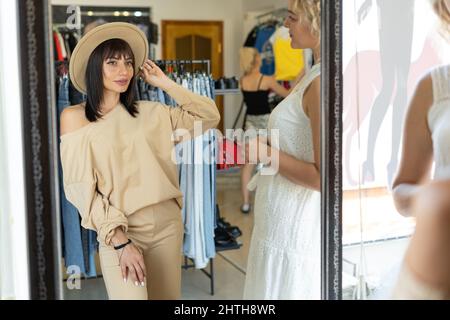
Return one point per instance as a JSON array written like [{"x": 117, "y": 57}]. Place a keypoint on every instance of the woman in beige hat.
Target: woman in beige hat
[
  {"x": 117, "y": 163},
  {"x": 426, "y": 267}
]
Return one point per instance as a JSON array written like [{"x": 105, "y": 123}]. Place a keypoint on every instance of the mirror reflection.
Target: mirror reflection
[
  {"x": 395, "y": 57},
  {"x": 189, "y": 141}
]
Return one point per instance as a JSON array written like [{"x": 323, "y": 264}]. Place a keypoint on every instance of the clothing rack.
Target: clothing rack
[
  {"x": 277, "y": 14},
  {"x": 63, "y": 26},
  {"x": 180, "y": 64}
]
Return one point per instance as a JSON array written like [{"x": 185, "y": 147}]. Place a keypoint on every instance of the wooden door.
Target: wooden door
[{"x": 195, "y": 40}]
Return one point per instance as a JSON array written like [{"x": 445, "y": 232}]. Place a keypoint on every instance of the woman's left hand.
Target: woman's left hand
[{"x": 154, "y": 76}]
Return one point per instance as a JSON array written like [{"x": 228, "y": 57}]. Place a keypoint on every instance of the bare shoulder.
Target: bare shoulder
[{"x": 73, "y": 118}]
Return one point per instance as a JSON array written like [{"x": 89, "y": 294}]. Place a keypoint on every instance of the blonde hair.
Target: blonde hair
[
  {"x": 442, "y": 9},
  {"x": 310, "y": 10},
  {"x": 248, "y": 57}
]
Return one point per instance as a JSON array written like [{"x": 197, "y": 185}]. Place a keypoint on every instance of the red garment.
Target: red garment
[
  {"x": 59, "y": 53},
  {"x": 229, "y": 155}
]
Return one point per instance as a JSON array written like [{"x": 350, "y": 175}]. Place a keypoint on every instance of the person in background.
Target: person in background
[
  {"x": 425, "y": 273},
  {"x": 255, "y": 89}
]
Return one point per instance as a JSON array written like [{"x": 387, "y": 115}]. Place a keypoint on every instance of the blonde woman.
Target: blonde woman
[
  {"x": 426, "y": 268},
  {"x": 255, "y": 89},
  {"x": 284, "y": 256}
]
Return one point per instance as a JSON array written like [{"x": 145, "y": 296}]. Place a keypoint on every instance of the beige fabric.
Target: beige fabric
[
  {"x": 158, "y": 231},
  {"x": 115, "y": 30},
  {"x": 119, "y": 164},
  {"x": 410, "y": 287}
]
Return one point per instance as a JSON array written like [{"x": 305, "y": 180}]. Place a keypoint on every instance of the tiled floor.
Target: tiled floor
[{"x": 229, "y": 266}]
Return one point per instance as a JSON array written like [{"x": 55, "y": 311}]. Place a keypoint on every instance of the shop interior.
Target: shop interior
[{"x": 202, "y": 39}]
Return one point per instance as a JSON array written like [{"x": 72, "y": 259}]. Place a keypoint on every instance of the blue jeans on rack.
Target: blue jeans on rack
[
  {"x": 209, "y": 206},
  {"x": 80, "y": 245},
  {"x": 75, "y": 97},
  {"x": 161, "y": 96},
  {"x": 73, "y": 248}
]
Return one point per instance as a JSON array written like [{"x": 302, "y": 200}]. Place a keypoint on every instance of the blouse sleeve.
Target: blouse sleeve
[
  {"x": 80, "y": 187},
  {"x": 192, "y": 108}
]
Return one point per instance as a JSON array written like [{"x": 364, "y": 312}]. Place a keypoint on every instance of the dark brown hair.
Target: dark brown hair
[{"x": 94, "y": 78}]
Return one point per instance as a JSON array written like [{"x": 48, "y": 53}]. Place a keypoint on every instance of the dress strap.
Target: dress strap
[
  {"x": 260, "y": 81},
  {"x": 441, "y": 83},
  {"x": 307, "y": 79}
]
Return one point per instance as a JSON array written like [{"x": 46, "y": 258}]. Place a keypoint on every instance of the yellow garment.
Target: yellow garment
[
  {"x": 288, "y": 62},
  {"x": 120, "y": 164}
]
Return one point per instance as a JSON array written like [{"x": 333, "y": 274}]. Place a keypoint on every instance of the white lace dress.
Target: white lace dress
[{"x": 284, "y": 257}]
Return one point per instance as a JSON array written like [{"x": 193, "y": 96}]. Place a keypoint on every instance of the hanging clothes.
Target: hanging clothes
[
  {"x": 288, "y": 62},
  {"x": 273, "y": 42},
  {"x": 251, "y": 38},
  {"x": 58, "y": 47},
  {"x": 264, "y": 46},
  {"x": 79, "y": 244},
  {"x": 196, "y": 160}
]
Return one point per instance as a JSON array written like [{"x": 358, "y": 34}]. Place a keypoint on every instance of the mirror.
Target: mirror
[
  {"x": 239, "y": 245},
  {"x": 388, "y": 47}
]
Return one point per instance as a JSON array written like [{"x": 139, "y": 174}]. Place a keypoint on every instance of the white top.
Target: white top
[
  {"x": 439, "y": 121},
  {"x": 284, "y": 255}
]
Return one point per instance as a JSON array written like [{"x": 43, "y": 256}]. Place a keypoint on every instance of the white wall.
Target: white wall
[
  {"x": 263, "y": 5},
  {"x": 230, "y": 12}
]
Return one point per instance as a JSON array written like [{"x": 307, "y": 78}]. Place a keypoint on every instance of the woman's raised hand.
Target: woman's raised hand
[{"x": 154, "y": 76}]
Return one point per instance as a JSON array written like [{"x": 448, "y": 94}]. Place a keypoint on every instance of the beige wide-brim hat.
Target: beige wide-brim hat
[{"x": 91, "y": 40}]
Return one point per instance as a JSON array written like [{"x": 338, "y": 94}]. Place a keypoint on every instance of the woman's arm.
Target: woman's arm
[
  {"x": 417, "y": 153},
  {"x": 299, "y": 172},
  {"x": 277, "y": 88},
  {"x": 193, "y": 107}
]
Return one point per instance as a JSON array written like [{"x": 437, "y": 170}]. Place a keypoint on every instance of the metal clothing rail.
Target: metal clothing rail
[
  {"x": 63, "y": 25},
  {"x": 187, "y": 62},
  {"x": 277, "y": 13}
]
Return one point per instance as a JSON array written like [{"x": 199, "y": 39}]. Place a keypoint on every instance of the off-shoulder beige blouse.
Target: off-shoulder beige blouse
[{"x": 120, "y": 164}]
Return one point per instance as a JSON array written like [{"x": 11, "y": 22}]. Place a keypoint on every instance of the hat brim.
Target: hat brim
[{"x": 135, "y": 38}]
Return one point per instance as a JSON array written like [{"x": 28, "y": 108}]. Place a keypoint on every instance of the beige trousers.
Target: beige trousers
[{"x": 158, "y": 231}]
